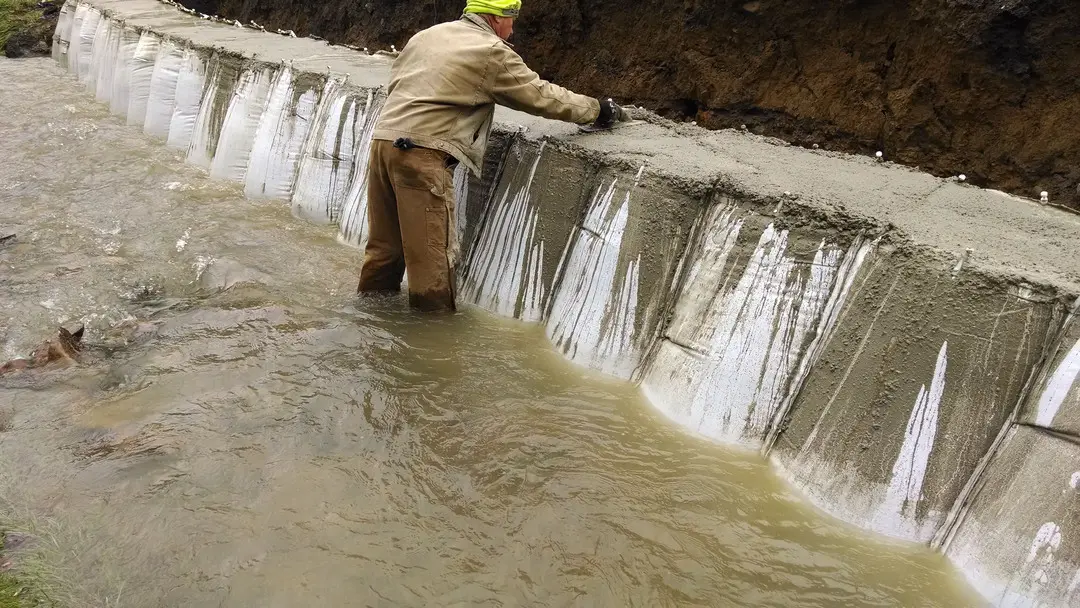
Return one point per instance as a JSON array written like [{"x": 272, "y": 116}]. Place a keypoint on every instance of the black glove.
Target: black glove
[{"x": 610, "y": 113}]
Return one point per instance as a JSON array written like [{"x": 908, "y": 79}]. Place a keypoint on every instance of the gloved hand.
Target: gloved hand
[{"x": 610, "y": 113}]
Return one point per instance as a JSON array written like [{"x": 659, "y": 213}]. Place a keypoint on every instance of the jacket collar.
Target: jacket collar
[{"x": 479, "y": 21}]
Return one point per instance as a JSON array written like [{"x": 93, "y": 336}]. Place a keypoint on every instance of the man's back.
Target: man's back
[{"x": 447, "y": 80}]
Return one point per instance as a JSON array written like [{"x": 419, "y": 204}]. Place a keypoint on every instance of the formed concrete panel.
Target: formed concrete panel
[
  {"x": 615, "y": 277},
  {"x": 511, "y": 269},
  {"x": 1019, "y": 543},
  {"x": 1055, "y": 403},
  {"x": 743, "y": 329},
  {"x": 910, "y": 392}
]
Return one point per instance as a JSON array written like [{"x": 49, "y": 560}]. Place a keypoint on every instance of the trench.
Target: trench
[
  {"x": 243, "y": 431},
  {"x": 895, "y": 387}
]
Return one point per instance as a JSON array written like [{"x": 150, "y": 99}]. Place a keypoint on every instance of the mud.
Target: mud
[{"x": 983, "y": 88}]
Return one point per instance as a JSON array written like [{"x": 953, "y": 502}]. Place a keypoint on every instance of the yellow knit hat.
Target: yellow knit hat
[{"x": 499, "y": 8}]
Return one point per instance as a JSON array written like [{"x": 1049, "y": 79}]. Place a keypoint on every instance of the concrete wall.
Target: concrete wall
[
  {"x": 815, "y": 307},
  {"x": 1018, "y": 535}
]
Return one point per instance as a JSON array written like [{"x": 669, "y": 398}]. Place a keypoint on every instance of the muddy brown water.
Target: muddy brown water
[{"x": 245, "y": 432}]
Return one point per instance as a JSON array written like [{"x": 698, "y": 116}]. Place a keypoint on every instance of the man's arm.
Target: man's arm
[{"x": 518, "y": 87}]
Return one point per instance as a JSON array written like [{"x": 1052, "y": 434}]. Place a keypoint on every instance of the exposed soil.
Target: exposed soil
[
  {"x": 986, "y": 88},
  {"x": 26, "y": 28}
]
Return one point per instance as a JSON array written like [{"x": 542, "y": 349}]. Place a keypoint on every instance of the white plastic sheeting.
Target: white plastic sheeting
[
  {"x": 162, "y": 102},
  {"x": 327, "y": 164},
  {"x": 74, "y": 36},
  {"x": 87, "y": 32},
  {"x": 279, "y": 140},
  {"x": 125, "y": 56},
  {"x": 62, "y": 35},
  {"x": 241, "y": 122},
  {"x": 593, "y": 315},
  {"x": 190, "y": 82},
  {"x": 107, "y": 62},
  {"x": 205, "y": 133},
  {"x": 354, "y": 212},
  {"x": 506, "y": 266},
  {"x": 97, "y": 53},
  {"x": 142, "y": 72}
]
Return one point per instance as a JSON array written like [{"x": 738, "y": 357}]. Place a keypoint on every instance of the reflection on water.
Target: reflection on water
[{"x": 244, "y": 432}]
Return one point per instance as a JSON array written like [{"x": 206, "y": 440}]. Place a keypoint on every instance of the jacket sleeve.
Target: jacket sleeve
[{"x": 518, "y": 87}]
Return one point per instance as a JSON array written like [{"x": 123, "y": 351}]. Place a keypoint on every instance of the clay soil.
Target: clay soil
[{"x": 990, "y": 89}]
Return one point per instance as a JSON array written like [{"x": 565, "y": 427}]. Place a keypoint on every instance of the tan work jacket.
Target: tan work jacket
[{"x": 447, "y": 80}]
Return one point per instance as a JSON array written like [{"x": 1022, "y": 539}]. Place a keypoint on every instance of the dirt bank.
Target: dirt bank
[
  {"x": 26, "y": 26},
  {"x": 980, "y": 87}
]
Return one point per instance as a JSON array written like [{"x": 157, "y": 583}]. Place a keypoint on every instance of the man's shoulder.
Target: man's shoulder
[{"x": 456, "y": 33}]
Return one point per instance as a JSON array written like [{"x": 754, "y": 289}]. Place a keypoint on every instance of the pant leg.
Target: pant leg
[
  {"x": 384, "y": 257},
  {"x": 425, "y": 197}
]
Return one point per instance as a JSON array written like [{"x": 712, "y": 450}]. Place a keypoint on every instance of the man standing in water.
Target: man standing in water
[{"x": 442, "y": 96}]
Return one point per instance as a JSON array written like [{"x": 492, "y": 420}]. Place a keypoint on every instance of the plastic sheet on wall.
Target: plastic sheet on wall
[
  {"x": 142, "y": 72},
  {"x": 212, "y": 110},
  {"x": 190, "y": 82},
  {"x": 354, "y": 213},
  {"x": 74, "y": 35},
  {"x": 327, "y": 163},
  {"x": 62, "y": 34},
  {"x": 162, "y": 102},
  {"x": 246, "y": 108},
  {"x": 97, "y": 54},
  {"x": 279, "y": 141},
  {"x": 107, "y": 74},
  {"x": 87, "y": 31},
  {"x": 125, "y": 56}
]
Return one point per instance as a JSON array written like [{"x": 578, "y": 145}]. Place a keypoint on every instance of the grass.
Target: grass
[
  {"x": 14, "y": 592},
  {"x": 15, "y": 16}
]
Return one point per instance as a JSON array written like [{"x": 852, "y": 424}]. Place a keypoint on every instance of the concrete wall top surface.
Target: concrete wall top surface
[{"x": 1010, "y": 237}]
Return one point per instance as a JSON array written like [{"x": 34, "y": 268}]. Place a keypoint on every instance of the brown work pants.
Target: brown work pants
[{"x": 410, "y": 208}]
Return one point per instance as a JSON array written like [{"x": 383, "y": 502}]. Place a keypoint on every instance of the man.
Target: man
[{"x": 442, "y": 95}]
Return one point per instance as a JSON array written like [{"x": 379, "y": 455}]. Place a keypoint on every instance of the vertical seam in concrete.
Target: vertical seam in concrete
[{"x": 947, "y": 532}]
